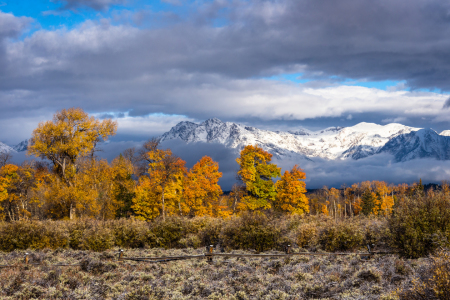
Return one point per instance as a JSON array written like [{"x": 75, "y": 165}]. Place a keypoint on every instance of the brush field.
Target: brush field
[{"x": 102, "y": 276}]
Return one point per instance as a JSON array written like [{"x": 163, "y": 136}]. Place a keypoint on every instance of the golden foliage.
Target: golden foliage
[
  {"x": 70, "y": 135},
  {"x": 256, "y": 171},
  {"x": 291, "y": 192},
  {"x": 163, "y": 188},
  {"x": 201, "y": 189}
]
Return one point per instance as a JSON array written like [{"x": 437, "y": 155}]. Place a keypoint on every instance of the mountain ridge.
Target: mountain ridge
[{"x": 355, "y": 142}]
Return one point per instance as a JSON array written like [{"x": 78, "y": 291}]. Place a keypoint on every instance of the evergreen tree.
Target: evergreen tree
[{"x": 368, "y": 202}]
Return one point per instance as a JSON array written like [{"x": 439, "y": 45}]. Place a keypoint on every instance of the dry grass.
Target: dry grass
[{"x": 101, "y": 276}]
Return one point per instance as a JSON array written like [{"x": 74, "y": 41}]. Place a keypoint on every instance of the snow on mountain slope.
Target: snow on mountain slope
[
  {"x": 359, "y": 141},
  {"x": 418, "y": 144},
  {"x": 22, "y": 146},
  {"x": 5, "y": 148}
]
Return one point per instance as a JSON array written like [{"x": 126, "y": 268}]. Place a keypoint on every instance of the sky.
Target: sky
[{"x": 272, "y": 64}]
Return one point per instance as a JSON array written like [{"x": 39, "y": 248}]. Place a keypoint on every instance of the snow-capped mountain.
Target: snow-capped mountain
[
  {"x": 5, "y": 148},
  {"x": 22, "y": 146},
  {"x": 418, "y": 144},
  {"x": 356, "y": 142}
]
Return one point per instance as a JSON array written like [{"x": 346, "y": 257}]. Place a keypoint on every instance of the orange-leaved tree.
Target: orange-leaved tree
[
  {"x": 291, "y": 191},
  {"x": 201, "y": 189},
  {"x": 70, "y": 135},
  {"x": 166, "y": 172},
  {"x": 257, "y": 173}
]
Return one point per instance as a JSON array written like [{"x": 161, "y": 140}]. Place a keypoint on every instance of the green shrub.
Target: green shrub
[
  {"x": 98, "y": 239},
  {"x": 130, "y": 233},
  {"x": 250, "y": 231},
  {"x": 167, "y": 234},
  {"x": 418, "y": 222},
  {"x": 76, "y": 232},
  {"x": 342, "y": 236}
]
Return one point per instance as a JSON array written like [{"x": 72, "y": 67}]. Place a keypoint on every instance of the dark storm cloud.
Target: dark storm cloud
[
  {"x": 95, "y": 4},
  {"x": 193, "y": 67},
  {"x": 447, "y": 103}
]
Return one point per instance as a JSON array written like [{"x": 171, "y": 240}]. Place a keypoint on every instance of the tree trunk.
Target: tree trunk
[
  {"x": 163, "y": 208},
  {"x": 351, "y": 211},
  {"x": 71, "y": 212},
  {"x": 234, "y": 204}
]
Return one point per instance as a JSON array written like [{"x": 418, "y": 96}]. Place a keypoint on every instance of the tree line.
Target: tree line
[{"x": 72, "y": 182}]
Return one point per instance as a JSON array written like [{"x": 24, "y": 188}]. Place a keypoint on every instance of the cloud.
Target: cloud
[
  {"x": 446, "y": 104},
  {"x": 319, "y": 172},
  {"x": 94, "y": 4},
  {"x": 173, "y": 2},
  {"x": 191, "y": 67},
  {"x": 335, "y": 173},
  {"x": 12, "y": 26}
]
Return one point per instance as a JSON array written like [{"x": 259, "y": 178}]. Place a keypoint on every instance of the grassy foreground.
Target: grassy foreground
[{"x": 101, "y": 276}]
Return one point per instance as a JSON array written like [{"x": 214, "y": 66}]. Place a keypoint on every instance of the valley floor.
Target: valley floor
[{"x": 101, "y": 276}]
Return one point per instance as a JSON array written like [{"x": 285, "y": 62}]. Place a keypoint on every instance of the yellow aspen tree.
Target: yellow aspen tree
[
  {"x": 146, "y": 203},
  {"x": 324, "y": 210},
  {"x": 19, "y": 189},
  {"x": 201, "y": 190},
  {"x": 148, "y": 194},
  {"x": 166, "y": 173},
  {"x": 70, "y": 135},
  {"x": 291, "y": 191},
  {"x": 334, "y": 197},
  {"x": 257, "y": 173}
]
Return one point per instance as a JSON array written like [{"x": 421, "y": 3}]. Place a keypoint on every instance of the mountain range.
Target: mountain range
[
  {"x": 335, "y": 143},
  {"x": 21, "y": 147}
]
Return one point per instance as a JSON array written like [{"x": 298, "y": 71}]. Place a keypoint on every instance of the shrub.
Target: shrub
[
  {"x": 32, "y": 235},
  {"x": 167, "y": 234},
  {"x": 250, "y": 231},
  {"x": 342, "y": 236},
  {"x": 307, "y": 235},
  {"x": 97, "y": 239},
  {"x": 433, "y": 282},
  {"x": 416, "y": 222},
  {"x": 130, "y": 233}
]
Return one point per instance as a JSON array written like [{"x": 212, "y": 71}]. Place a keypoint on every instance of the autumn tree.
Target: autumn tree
[
  {"x": 71, "y": 134},
  {"x": 235, "y": 198},
  {"x": 165, "y": 175},
  {"x": 201, "y": 189},
  {"x": 291, "y": 191},
  {"x": 257, "y": 173},
  {"x": 139, "y": 156},
  {"x": 19, "y": 186},
  {"x": 123, "y": 185}
]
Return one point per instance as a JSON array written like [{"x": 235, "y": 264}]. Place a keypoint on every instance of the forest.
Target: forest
[{"x": 147, "y": 183}]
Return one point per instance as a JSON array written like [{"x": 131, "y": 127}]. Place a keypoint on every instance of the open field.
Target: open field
[{"x": 101, "y": 276}]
